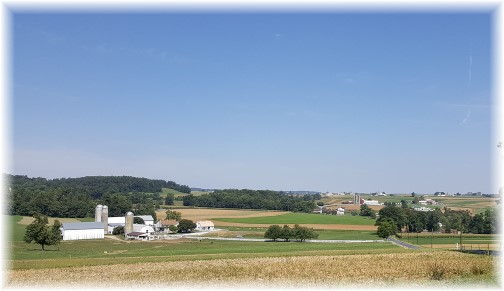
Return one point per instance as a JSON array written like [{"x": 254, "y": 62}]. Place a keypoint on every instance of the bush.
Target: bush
[
  {"x": 437, "y": 271},
  {"x": 118, "y": 230}
]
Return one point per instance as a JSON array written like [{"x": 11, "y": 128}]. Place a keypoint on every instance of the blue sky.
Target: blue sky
[{"x": 325, "y": 102}]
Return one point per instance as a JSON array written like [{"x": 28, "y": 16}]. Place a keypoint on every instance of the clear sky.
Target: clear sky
[{"x": 324, "y": 102}]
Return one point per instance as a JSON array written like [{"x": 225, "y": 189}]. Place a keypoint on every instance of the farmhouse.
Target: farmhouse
[
  {"x": 204, "y": 225},
  {"x": 82, "y": 230},
  {"x": 164, "y": 224}
]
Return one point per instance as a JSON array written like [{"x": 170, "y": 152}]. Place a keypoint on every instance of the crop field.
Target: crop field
[
  {"x": 436, "y": 269},
  {"x": 258, "y": 232}
]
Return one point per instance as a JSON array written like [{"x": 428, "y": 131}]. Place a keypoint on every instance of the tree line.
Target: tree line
[
  {"x": 299, "y": 233},
  {"x": 77, "y": 197},
  {"x": 252, "y": 199},
  {"x": 393, "y": 219}
]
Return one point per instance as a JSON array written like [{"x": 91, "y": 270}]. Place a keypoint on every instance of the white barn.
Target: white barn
[{"x": 82, "y": 230}]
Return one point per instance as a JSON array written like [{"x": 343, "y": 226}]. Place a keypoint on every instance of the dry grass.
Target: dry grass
[{"x": 402, "y": 268}]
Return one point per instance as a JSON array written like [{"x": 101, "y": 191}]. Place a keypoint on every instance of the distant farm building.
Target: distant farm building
[
  {"x": 371, "y": 202},
  {"x": 82, "y": 230},
  {"x": 340, "y": 211},
  {"x": 204, "y": 225},
  {"x": 164, "y": 225},
  {"x": 425, "y": 209}
]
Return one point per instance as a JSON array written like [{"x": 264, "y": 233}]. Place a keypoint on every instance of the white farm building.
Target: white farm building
[
  {"x": 204, "y": 225},
  {"x": 82, "y": 230}
]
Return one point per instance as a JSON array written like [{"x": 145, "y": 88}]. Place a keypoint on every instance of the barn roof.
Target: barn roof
[
  {"x": 168, "y": 222},
  {"x": 145, "y": 217},
  {"x": 82, "y": 225}
]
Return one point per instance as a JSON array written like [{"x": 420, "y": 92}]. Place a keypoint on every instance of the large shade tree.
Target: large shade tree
[{"x": 41, "y": 233}]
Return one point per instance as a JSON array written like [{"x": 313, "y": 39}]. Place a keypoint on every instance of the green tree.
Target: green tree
[
  {"x": 301, "y": 233},
  {"x": 39, "y": 232},
  {"x": 171, "y": 214},
  {"x": 173, "y": 228},
  {"x": 386, "y": 228},
  {"x": 169, "y": 199},
  {"x": 186, "y": 225},
  {"x": 365, "y": 210},
  {"x": 286, "y": 233},
  {"x": 396, "y": 214},
  {"x": 273, "y": 232}
]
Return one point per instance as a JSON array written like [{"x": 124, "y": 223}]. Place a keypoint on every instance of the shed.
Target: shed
[
  {"x": 204, "y": 225},
  {"x": 82, "y": 230}
]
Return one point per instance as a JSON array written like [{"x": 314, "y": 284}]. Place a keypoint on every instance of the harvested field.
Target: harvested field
[
  {"x": 387, "y": 270},
  {"x": 196, "y": 214},
  {"x": 314, "y": 226}
]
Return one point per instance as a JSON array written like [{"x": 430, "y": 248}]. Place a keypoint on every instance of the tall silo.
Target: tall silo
[
  {"x": 98, "y": 213},
  {"x": 104, "y": 218},
  {"x": 128, "y": 227}
]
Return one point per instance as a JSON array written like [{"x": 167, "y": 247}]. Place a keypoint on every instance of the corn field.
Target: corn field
[{"x": 369, "y": 269}]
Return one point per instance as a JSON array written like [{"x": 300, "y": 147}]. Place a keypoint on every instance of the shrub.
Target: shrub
[{"x": 437, "y": 271}]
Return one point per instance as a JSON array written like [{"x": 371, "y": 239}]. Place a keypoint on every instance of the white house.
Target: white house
[
  {"x": 340, "y": 211},
  {"x": 204, "y": 225},
  {"x": 82, "y": 230}
]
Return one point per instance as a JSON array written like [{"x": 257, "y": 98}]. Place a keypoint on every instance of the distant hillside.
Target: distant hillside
[{"x": 77, "y": 197}]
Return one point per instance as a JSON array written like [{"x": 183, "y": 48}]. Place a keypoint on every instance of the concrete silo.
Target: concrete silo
[
  {"x": 104, "y": 218},
  {"x": 98, "y": 213},
  {"x": 128, "y": 226}
]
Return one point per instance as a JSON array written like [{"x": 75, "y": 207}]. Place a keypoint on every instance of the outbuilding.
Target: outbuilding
[
  {"x": 204, "y": 225},
  {"x": 82, "y": 230}
]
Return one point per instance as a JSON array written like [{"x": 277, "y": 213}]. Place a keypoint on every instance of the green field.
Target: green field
[
  {"x": 303, "y": 218},
  {"x": 452, "y": 240},
  {"x": 257, "y": 232}
]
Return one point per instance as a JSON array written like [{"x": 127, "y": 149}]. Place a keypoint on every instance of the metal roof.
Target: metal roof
[
  {"x": 82, "y": 225},
  {"x": 145, "y": 217}
]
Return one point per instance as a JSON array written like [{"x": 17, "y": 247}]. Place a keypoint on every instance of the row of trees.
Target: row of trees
[
  {"x": 252, "y": 199},
  {"x": 408, "y": 220},
  {"x": 299, "y": 233},
  {"x": 77, "y": 197}
]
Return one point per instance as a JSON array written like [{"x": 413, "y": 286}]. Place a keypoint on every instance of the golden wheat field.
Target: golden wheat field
[{"x": 367, "y": 269}]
